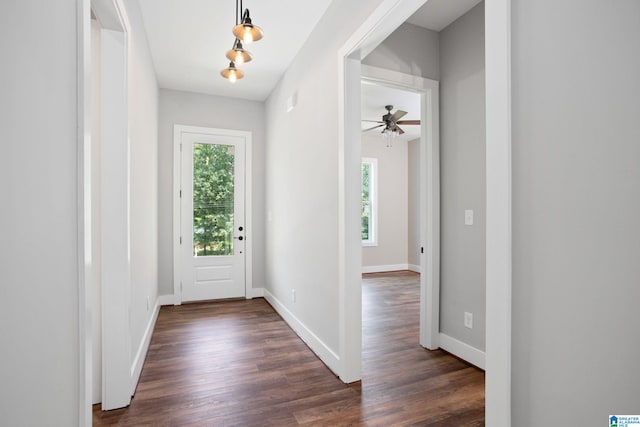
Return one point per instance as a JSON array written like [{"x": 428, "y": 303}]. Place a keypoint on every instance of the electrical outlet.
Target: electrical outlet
[
  {"x": 468, "y": 320},
  {"x": 293, "y": 295},
  {"x": 468, "y": 217}
]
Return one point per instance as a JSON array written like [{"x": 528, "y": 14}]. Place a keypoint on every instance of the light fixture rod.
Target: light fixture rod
[{"x": 239, "y": 12}]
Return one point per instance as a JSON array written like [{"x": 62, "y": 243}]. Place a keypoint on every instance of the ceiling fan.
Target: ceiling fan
[{"x": 391, "y": 121}]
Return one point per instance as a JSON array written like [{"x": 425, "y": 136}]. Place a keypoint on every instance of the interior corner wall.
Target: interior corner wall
[
  {"x": 462, "y": 178},
  {"x": 39, "y": 214},
  {"x": 392, "y": 193},
  {"x": 413, "y": 205},
  {"x": 143, "y": 186},
  {"x": 409, "y": 49},
  {"x": 576, "y": 239},
  {"x": 302, "y": 176},
  {"x": 191, "y": 109}
]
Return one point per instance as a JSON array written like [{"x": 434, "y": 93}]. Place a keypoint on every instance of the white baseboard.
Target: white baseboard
[
  {"x": 331, "y": 359},
  {"x": 463, "y": 351},
  {"x": 168, "y": 300},
  {"x": 415, "y": 268},
  {"x": 141, "y": 354},
  {"x": 384, "y": 268},
  {"x": 255, "y": 293}
]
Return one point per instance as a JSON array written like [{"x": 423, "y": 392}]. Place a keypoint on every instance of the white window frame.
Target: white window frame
[{"x": 373, "y": 200}]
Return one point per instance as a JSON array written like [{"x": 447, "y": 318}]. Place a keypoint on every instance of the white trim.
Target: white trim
[
  {"x": 84, "y": 237},
  {"x": 414, "y": 268},
  {"x": 462, "y": 350},
  {"x": 498, "y": 158},
  {"x": 178, "y": 130},
  {"x": 168, "y": 300},
  {"x": 429, "y": 200},
  {"x": 115, "y": 215},
  {"x": 384, "y": 268},
  {"x": 177, "y": 218},
  {"x": 255, "y": 293},
  {"x": 143, "y": 349},
  {"x": 349, "y": 221},
  {"x": 316, "y": 345}
]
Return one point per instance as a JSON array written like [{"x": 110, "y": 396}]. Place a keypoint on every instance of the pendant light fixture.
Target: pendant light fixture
[
  {"x": 238, "y": 55},
  {"x": 231, "y": 73},
  {"x": 244, "y": 31}
]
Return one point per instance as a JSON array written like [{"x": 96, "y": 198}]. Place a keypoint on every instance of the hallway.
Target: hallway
[{"x": 236, "y": 363}]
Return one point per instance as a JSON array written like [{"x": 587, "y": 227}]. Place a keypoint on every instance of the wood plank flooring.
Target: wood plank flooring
[{"x": 236, "y": 363}]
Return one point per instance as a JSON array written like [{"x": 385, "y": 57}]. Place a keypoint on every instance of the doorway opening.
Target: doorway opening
[
  {"x": 422, "y": 206},
  {"x": 380, "y": 24}
]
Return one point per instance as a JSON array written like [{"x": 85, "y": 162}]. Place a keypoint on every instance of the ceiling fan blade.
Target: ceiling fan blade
[
  {"x": 397, "y": 115},
  {"x": 372, "y": 121},
  {"x": 408, "y": 122},
  {"x": 375, "y": 127}
]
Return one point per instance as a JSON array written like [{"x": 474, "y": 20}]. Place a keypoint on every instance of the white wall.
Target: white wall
[
  {"x": 409, "y": 49},
  {"x": 186, "y": 108},
  {"x": 413, "y": 207},
  {"x": 143, "y": 136},
  {"x": 38, "y": 219},
  {"x": 462, "y": 177},
  {"x": 392, "y": 204},
  {"x": 576, "y": 239},
  {"x": 302, "y": 172}
]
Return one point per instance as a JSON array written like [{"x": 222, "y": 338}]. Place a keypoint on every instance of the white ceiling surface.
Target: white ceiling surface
[
  {"x": 436, "y": 15},
  {"x": 375, "y": 97},
  {"x": 189, "y": 39}
]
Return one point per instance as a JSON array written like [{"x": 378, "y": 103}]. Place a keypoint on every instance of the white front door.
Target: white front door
[{"x": 212, "y": 227}]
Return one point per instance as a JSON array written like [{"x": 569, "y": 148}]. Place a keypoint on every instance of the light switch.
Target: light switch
[{"x": 468, "y": 217}]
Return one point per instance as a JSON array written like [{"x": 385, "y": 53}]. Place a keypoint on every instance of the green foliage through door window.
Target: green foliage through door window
[{"x": 213, "y": 194}]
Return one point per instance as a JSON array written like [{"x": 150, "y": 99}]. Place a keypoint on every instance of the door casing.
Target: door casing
[{"x": 178, "y": 130}]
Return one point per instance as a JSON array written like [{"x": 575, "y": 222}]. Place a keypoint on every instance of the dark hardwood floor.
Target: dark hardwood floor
[{"x": 236, "y": 363}]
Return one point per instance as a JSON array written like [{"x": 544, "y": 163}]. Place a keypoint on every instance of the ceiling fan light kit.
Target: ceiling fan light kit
[
  {"x": 390, "y": 123},
  {"x": 244, "y": 31}
]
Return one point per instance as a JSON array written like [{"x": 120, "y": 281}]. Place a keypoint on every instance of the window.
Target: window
[{"x": 369, "y": 201}]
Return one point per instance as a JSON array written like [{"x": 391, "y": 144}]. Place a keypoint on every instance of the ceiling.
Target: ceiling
[
  {"x": 188, "y": 40},
  {"x": 375, "y": 97},
  {"x": 436, "y": 15}
]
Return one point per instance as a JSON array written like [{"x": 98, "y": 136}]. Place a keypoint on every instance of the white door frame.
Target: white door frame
[
  {"x": 178, "y": 130},
  {"x": 117, "y": 376},
  {"x": 382, "y": 22},
  {"x": 84, "y": 87},
  {"x": 429, "y": 199},
  {"x": 115, "y": 350}
]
